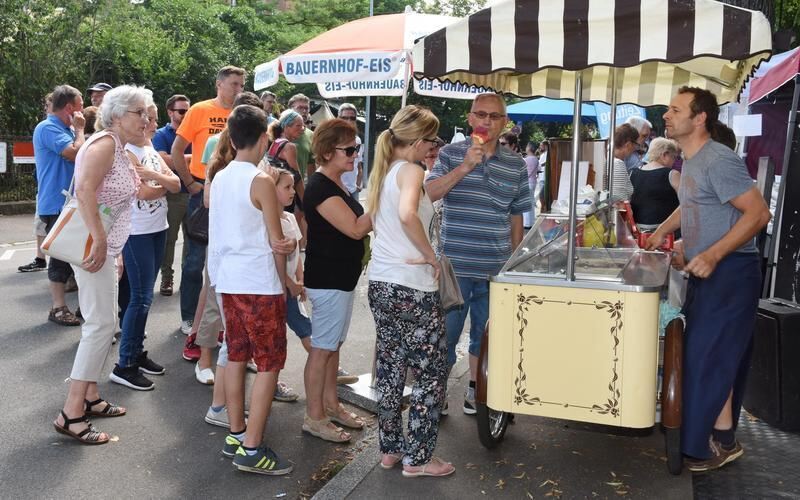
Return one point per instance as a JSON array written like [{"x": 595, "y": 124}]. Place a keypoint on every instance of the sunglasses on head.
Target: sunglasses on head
[
  {"x": 180, "y": 111},
  {"x": 503, "y": 143},
  {"x": 350, "y": 150},
  {"x": 349, "y": 118}
]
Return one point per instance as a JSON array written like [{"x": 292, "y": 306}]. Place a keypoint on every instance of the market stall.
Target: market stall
[{"x": 574, "y": 326}]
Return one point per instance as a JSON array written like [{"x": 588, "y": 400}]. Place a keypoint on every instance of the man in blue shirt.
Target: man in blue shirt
[
  {"x": 177, "y": 203},
  {"x": 56, "y": 141},
  {"x": 485, "y": 192}
]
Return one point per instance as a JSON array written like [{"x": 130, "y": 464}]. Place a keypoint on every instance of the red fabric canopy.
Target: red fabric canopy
[{"x": 775, "y": 77}]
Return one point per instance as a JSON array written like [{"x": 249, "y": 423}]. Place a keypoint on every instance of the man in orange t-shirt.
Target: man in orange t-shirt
[{"x": 204, "y": 119}]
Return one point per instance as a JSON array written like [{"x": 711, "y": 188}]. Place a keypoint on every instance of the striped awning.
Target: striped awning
[{"x": 534, "y": 48}]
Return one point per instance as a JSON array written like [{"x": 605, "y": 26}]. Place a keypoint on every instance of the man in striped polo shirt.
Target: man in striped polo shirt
[{"x": 485, "y": 192}]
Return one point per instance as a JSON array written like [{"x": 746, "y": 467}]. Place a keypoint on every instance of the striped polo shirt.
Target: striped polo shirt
[{"x": 476, "y": 228}]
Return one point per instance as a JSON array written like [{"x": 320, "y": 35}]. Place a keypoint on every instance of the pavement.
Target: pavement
[{"x": 163, "y": 448}]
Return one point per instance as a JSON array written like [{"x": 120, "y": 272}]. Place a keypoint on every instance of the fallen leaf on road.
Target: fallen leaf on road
[
  {"x": 577, "y": 453},
  {"x": 280, "y": 495},
  {"x": 470, "y": 465},
  {"x": 519, "y": 476},
  {"x": 612, "y": 474},
  {"x": 615, "y": 484},
  {"x": 114, "y": 439},
  {"x": 532, "y": 445},
  {"x": 520, "y": 465},
  {"x": 483, "y": 477},
  {"x": 529, "y": 494},
  {"x": 621, "y": 492},
  {"x": 500, "y": 484},
  {"x": 502, "y": 461},
  {"x": 212, "y": 433}
]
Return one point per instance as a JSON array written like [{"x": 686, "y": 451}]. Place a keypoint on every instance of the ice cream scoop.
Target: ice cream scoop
[{"x": 480, "y": 135}]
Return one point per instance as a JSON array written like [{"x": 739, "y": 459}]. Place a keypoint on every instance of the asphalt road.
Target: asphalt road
[{"x": 165, "y": 449}]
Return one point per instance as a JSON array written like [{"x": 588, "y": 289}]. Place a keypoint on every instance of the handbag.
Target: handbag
[
  {"x": 197, "y": 225},
  {"x": 449, "y": 291},
  {"x": 70, "y": 240}
]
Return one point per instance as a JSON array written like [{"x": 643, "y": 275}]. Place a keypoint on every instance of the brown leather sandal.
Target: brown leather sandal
[
  {"x": 87, "y": 436},
  {"x": 109, "y": 410},
  {"x": 62, "y": 316}
]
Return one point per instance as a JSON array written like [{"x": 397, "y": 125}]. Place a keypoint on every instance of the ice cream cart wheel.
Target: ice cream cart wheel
[
  {"x": 671, "y": 395},
  {"x": 492, "y": 424}
]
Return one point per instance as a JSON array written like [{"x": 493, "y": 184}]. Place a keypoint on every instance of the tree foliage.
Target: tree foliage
[{"x": 170, "y": 46}]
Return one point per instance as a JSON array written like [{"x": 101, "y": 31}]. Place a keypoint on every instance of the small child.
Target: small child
[
  {"x": 297, "y": 321},
  {"x": 250, "y": 274}
]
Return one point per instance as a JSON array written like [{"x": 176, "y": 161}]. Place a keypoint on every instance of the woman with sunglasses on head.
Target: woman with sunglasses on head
[
  {"x": 282, "y": 153},
  {"x": 337, "y": 226},
  {"x": 404, "y": 296}
]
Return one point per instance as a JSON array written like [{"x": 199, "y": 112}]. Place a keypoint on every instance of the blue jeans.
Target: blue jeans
[
  {"x": 297, "y": 321},
  {"x": 476, "y": 302},
  {"x": 142, "y": 256},
  {"x": 192, "y": 269}
]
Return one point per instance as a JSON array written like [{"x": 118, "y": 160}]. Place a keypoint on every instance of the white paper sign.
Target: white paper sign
[
  {"x": 747, "y": 125},
  {"x": 563, "y": 182},
  {"x": 3, "y": 157}
]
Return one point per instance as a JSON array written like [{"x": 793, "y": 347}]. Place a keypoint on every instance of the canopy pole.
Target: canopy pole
[
  {"x": 612, "y": 126},
  {"x": 776, "y": 223},
  {"x": 573, "y": 177},
  {"x": 406, "y": 69}
]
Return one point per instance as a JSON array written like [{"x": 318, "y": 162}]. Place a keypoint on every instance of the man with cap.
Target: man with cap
[{"x": 97, "y": 92}]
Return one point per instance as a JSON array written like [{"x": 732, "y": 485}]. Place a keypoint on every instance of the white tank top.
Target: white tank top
[
  {"x": 391, "y": 248},
  {"x": 239, "y": 255}
]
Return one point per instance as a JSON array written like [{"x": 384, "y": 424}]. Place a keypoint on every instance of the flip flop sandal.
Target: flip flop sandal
[
  {"x": 422, "y": 472},
  {"x": 345, "y": 418},
  {"x": 109, "y": 410},
  {"x": 320, "y": 429},
  {"x": 87, "y": 436},
  {"x": 394, "y": 459}
]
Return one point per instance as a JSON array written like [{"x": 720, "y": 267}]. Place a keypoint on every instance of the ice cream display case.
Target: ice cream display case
[{"x": 583, "y": 349}]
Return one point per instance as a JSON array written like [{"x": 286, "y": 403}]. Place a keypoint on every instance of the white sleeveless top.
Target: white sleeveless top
[
  {"x": 391, "y": 247},
  {"x": 239, "y": 255}
]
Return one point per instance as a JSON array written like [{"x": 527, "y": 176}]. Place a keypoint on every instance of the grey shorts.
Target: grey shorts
[
  {"x": 39, "y": 227},
  {"x": 331, "y": 311}
]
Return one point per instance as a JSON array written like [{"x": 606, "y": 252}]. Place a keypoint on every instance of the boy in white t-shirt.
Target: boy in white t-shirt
[{"x": 244, "y": 225}]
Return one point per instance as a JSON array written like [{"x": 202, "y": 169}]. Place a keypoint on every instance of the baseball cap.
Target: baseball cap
[{"x": 99, "y": 87}]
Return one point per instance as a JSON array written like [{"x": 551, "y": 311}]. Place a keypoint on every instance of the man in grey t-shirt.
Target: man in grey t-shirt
[{"x": 720, "y": 213}]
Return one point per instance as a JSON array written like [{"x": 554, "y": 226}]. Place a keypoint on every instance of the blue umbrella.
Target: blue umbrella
[{"x": 543, "y": 109}]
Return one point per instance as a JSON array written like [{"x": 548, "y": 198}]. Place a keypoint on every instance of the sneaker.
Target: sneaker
[
  {"x": 131, "y": 377},
  {"x": 149, "y": 366},
  {"x": 62, "y": 316},
  {"x": 231, "y": 443},
  {"x": 344, "y": 378},
  {"x": 719, "y": 457},
  {"x": 220, "y": 419},
  {"x": 166, "y": 287},
  {"x": 191, "y": 351},
  {"x": 265, "y": 461},
  {"x": 37, "y": 265},
  {"x": 285, "y": 393},
  {"x": 445, "y": 410},
  {"x": 469, "y": 401},
  {"x": 205, "y": 376},
  {"x": 186, "y": 326}
]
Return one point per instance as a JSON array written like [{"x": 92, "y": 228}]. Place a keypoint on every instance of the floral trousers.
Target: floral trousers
[{"x": 411, "y": 334}]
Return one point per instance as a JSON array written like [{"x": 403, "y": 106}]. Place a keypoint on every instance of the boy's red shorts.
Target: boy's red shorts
[{"x": 255, "y": 327}]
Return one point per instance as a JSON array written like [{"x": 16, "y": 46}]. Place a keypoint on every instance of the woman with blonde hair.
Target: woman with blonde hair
[
  {"x": 404, "y": 296},
  {"x": 655, "y": 185}
]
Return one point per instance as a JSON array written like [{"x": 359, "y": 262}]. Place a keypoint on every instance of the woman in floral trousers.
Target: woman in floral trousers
[{"x": 404, "y": 296}]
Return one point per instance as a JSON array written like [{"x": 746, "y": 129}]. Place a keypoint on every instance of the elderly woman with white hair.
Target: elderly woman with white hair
[
  {"x": 655, "y": 185},
  {"x": 103, "y": 174}
]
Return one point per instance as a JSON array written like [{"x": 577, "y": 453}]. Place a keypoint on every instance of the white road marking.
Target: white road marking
[{"x": 8, "y": 254}]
